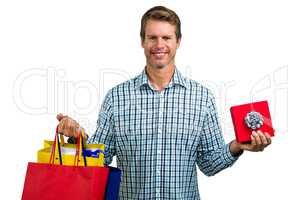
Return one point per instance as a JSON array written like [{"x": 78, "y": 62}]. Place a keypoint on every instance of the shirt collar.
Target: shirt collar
[{"x": 177, "y": 79}]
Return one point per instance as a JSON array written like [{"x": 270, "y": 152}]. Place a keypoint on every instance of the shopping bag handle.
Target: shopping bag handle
[
  {"x": 80, "y": 147},
  {"x": 56, "y": 146}
]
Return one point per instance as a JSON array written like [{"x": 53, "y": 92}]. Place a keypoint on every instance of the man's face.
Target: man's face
[{"x": 160, "y": 43}]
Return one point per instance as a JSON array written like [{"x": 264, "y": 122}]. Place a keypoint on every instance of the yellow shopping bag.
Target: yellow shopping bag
[{"x": 94, "y": 153}]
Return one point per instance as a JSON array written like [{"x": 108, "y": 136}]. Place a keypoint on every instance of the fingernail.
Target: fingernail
[{"x": 254, "y": 133}]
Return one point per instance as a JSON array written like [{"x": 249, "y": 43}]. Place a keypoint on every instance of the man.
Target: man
[{"x": 160, "y": 124}]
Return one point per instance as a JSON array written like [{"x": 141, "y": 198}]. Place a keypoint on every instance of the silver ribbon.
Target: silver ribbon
[{"x": 254, "y": 120}]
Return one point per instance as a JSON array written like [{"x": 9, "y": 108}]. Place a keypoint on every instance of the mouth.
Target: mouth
[{"x": 159, "y": 54}]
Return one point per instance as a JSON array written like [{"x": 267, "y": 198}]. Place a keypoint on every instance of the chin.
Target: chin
[{"x": 160, "y": 66}]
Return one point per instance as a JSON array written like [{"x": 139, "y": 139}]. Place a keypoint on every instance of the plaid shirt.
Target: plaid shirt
[{"x": 158, "y": 137}]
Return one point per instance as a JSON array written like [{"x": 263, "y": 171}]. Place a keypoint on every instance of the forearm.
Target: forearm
[{"x": 214, "y": 161}]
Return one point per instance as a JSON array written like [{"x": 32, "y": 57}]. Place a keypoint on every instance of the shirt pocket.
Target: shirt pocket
[
  {"x": 133, "y": 118},
  {"x": 188, "y": 118}
]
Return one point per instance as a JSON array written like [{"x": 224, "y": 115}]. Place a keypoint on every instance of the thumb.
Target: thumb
[{"x": 60, "y": 116}]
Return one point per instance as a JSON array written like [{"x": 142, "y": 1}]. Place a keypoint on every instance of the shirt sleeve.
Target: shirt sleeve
[
  {"x": 105, "y": 131},
  {"x": 213, "y": 155}
]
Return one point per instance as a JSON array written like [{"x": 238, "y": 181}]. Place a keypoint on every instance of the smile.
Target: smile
[{"x": 159, "y": 54}]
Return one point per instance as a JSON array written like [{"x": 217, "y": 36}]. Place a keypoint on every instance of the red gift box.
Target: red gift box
[{"x": 238, "y": 114}]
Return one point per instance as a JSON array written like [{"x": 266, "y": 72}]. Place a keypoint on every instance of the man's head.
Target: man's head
[
  {"x": 161, "y": 13},
  {"x": 160, "y": 36}
]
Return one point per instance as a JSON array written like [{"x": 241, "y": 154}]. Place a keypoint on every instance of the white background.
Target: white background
[{"x": 63, "y": 56}]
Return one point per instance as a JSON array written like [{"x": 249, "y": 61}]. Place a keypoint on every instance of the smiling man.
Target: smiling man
[
  {"x": 161, "y": 125},
  {"x": 160, "y": 44}
]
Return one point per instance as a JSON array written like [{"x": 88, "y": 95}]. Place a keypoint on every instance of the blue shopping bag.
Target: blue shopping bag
[{"x": 113, "y": 183}]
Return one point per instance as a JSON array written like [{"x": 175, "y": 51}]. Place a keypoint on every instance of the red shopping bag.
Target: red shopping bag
[{"x": 55, "y": 182}]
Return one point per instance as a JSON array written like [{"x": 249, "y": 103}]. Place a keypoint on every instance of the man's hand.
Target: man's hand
[
  {"x": 67, "y": 126},
  {"x": 259, "y": 142}
]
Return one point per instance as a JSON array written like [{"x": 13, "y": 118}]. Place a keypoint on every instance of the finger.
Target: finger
[
  {"x": 69, "y": 127},
  {"x": 61, "y": 126},
  {"x": 74, "y": 128},
  {"x": 257, "y": 138},
  {"x": 64, "y": 127},
  {"x": 59, "y": 116},
  {"x": 268, "y": 137},
  {"x": 264, "y": 142},
  {"x": 77, "y": 129},
  {"x": 263, "y": 138},
  {"x": 59, "y": 129},
  {"x": 253, "y": 141}
]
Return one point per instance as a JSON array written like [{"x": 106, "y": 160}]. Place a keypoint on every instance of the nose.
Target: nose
[{"x": 159, "y": 43}]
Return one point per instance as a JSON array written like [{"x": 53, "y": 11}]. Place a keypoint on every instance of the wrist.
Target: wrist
[{"x": 235, "y": 148}]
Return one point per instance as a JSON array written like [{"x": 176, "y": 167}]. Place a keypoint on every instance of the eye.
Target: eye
[
  {"x": 152, "y": 38},
  {"x": 166, "y": 37}
]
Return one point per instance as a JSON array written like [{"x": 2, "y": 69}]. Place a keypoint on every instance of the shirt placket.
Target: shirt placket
[{"x": 159, "y": 144}]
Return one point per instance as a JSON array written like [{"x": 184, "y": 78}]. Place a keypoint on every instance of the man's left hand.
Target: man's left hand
[{"x": 259, "y": 141}]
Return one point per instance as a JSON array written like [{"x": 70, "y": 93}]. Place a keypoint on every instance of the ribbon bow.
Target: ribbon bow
[{"x": 254, "y": 120}]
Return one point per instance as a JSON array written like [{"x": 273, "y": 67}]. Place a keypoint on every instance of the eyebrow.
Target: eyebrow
[{"x": 161, "y": 36}]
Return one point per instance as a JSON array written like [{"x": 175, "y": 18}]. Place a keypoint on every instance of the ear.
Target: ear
[
  {"x": 178, "y": 42},
  {"x": 142, "y": 43}
]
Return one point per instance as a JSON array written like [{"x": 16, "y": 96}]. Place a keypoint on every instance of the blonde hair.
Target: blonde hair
[{"x": 161, "y": 13}]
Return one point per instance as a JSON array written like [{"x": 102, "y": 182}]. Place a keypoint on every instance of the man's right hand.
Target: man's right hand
[{"x": 67, "y": 126}]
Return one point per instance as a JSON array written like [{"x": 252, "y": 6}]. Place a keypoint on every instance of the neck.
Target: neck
[{"x": 160, "y": 77}]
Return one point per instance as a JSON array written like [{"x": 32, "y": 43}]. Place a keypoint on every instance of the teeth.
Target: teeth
[{"x": 159, "y": 55}]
